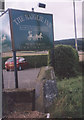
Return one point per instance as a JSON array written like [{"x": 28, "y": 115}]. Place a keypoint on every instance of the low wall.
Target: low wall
[
  {"x": 18, "y": 100},
  {"x": 40, "y": 98}
]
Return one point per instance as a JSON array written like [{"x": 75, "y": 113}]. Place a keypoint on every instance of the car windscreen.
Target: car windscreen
[{"x": 10, "y": 60}]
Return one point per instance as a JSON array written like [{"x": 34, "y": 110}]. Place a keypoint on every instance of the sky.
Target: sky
[{"x": 62, "y": 10}]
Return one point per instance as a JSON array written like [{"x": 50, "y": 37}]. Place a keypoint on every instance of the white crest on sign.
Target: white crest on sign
[{"x": 34, "y": 37}]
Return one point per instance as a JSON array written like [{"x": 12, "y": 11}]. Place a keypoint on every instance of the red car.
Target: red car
[{"x": 21, "y": 63}]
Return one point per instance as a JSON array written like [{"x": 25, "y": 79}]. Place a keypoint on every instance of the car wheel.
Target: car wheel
[
  {"x": 7, "y": 69},
  {"x": 20, "y": 68}
]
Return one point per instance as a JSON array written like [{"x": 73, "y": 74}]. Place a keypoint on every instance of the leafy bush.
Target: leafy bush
[{"x": 65, "y": 61}]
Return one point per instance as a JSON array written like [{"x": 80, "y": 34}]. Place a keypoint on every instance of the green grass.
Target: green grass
[{"x": 69, "y": 100}]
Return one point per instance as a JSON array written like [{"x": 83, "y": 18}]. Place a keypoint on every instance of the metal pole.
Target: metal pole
[
  {"x": 53, "y": 51},
  {"x": 2, "y": 7},
  {"x": 14, "y": 52},
  {"x": 2, "y": 80},
  {"x": 15, "y": 69},
  {"x": 0, "y": 86},
  {"x": 75, "y": 25}
]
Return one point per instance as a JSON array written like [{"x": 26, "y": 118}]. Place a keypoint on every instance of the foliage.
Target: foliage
[
  {"x": 65, "y": 61},
  {"x": 69, "y": 101},
  {"x": 71, "y": 42},
  {"x": 34, "y": 61}
]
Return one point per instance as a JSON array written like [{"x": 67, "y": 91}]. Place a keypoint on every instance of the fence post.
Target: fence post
[{"x": 33, "y": 100}]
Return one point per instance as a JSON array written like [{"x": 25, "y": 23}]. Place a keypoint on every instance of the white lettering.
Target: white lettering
[
  {"x": 19, "y": 20},
  {"x": 36, "y": 17}
]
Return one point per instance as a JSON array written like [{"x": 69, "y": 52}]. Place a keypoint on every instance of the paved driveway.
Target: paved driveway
[{"x": 26, "y": 78}]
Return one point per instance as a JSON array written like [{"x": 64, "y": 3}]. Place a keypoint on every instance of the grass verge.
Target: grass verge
[{"x": 69, "y": 101}]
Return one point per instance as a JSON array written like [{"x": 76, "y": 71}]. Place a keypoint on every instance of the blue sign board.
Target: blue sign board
[{"x": 31, "y": 30}]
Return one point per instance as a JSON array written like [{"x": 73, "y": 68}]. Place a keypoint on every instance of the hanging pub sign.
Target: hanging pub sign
[{"x": 31, "y": 30}]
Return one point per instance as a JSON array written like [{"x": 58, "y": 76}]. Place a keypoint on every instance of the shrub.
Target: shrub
[{"x": 65, "y": 61}]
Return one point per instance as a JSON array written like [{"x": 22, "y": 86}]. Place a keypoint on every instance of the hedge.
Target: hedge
[
  {"x": 65, "y": 61},
  {"x": 34, "y": 61}
]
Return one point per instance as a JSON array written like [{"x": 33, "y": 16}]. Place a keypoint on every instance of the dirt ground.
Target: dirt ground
[
  {"x": 29, "y": 114},
  {"x": 24, "y": 53}
]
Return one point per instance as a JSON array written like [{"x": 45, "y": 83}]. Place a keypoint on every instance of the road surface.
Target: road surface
[{"x": 26, "y": 78}]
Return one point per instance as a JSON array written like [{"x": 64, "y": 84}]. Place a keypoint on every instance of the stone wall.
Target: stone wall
[
  {"x": 46, "y": 89},
  {"x": 18, "y": 100}
]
